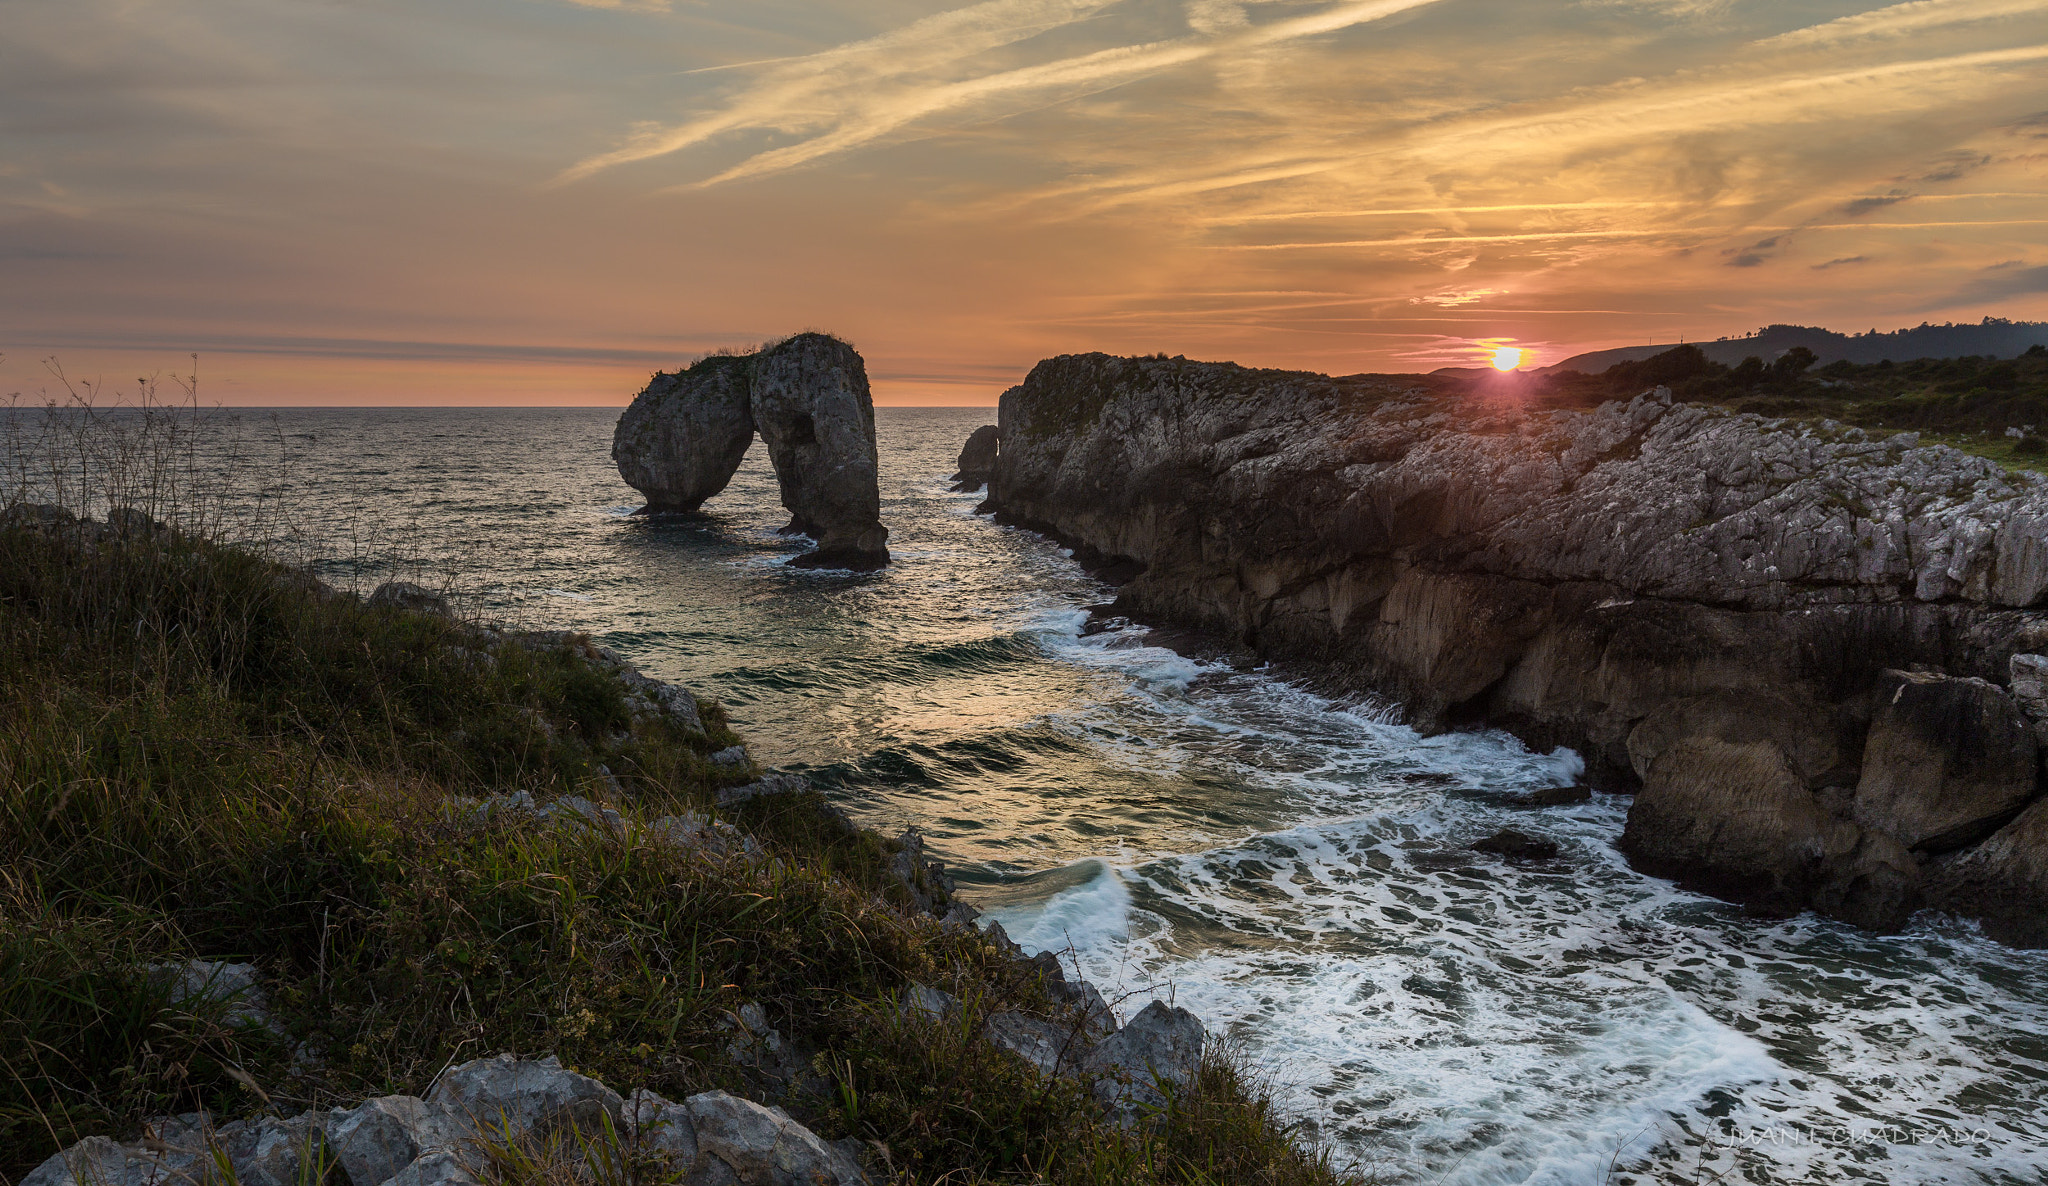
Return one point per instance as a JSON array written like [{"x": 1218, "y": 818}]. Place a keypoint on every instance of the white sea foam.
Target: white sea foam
[{"x": 1463, "y": 1020}]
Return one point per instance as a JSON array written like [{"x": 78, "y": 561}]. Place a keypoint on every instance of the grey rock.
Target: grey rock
[
  {"x": 764, "y": 1147},
  {"x": 922, "y": 1002},
  {"x": 773, "y": 784},
  {"x": 732, "y": 755},
  {"x": 577, "y": 809},
  {"x": 440, "y": 1168},
  {"x": 379, "y": 1137},
  {"x": 1948, "y": 761},
  {"x": 268, "y": 1151},
  {"x": 97, "y": 1161},
  {"x": 701, "y": 832},
  {"x": 924, "y": 879},
  {"x": 524, "y": 1097},
  {"x": 2003, "y": 881},
  {"x": 2029, "y": 680},
  {"x": 1550, "y": 797},
  {"x": 682, "y": 438},
  {"x": 978, "y": 459},
  {"x": 132, "y": 523},
  {"x": 959, "y": 917},
  {"x": 1049, "y": 1048},
  {"x": 660, "y": 1127},
  {"x": 236, "y": 985},
  {"x": 408, "y": 596},
  {"x": 1158, "y": 1052}
]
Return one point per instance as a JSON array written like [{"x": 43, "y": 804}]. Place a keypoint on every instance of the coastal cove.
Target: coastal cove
[{"x": 1293, "y": 868}]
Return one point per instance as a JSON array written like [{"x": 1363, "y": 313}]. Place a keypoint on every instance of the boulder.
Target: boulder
[
  {"x": 268, "y": 1151},
  {"x": 524, "y": 1097},
  {"x": 2003, "y": 881},
  {"x": 773, "y": 784},
  {"x": 408, "y": 596},
  {"x": 1550, "y": 797},
  {"x": 97, "y": 1161},
  {"x": 682, "y": 438},
  {"x": 1517, "y": 846},
  {"x": 977, "y": 459},
  {"x": 1158, "y": 1052},
  {"x": 1735, "y": 820},
  {"x": 1948, "y": 761},
  {"x": 439, "y": 1168},
  {"x": 1048, "y": 1048},
  {"x": 379, "y": 1137},
  {"x": 812, "y": 407},
  {"x": 662, "y": 1128},
  {"x": 762, "y": 1146}
]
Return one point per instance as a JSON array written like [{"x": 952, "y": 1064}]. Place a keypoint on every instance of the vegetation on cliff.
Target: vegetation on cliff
[
  {"x": 206, "y": 754},
  {"x": 1967, "y": 402}
]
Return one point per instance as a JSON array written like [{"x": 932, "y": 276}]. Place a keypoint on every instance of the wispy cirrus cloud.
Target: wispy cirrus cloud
[
  {"x": 854, "y": 95},
  {"x": 1904, "y": 20}
]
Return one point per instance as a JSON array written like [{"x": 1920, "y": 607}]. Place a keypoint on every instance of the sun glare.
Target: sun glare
[{"x": 1506, "y": 358}]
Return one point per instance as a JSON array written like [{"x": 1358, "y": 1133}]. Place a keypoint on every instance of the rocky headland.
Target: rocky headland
[
  {"x": 683, "y": 437},
  {"x": 1812, "y": 655}
]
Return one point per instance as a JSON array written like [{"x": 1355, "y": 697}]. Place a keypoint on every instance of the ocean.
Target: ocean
[{"x": 1293, "y": 868}]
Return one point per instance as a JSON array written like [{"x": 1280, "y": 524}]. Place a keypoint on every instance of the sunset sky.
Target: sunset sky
[{"x": 541, "y": 201}]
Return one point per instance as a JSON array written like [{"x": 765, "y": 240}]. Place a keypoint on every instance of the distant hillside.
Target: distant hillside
[{"x": 1994, "y": 336}]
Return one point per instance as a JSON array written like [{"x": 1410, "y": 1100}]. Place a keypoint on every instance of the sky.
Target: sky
[{"x": 504, "y": 202}]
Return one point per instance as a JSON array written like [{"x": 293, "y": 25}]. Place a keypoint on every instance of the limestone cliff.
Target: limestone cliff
[
  {"x": 684, "y": 436},
  {"x": 1707, "y": 605}
]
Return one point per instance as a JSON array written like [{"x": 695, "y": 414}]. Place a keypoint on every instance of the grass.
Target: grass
[
  {"x": 1968, "y": 403},
  {"x": 206, "y": 754}
]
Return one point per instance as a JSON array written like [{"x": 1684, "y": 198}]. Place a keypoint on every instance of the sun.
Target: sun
[{"x": 1507, "y": 358}]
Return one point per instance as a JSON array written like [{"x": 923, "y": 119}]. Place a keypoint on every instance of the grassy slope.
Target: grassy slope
[
  {"x": 1964, "y": 402},
  {"x": 204, "y": 755}
]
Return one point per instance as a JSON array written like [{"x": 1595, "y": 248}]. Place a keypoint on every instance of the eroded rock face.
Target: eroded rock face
[
  {"x": 977, "y": 462},
  {"x": 1636, "y": 580},
  {"x": 2002, "y": 881},
  {"x": 1947, "y": 762},
  {"x": 681, "y": 439},
  {"x": 813, "y": 409}
]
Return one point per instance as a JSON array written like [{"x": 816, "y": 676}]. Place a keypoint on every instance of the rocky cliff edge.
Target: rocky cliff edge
[{"x": 1796, "y": 643}]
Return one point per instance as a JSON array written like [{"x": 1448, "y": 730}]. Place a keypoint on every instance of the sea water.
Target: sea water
[{"x": 1293, "y": 868}]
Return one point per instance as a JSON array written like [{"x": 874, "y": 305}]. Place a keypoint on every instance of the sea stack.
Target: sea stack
[
  {"x": 978, "y": 459},
  {"x": 684, "y": 435}
]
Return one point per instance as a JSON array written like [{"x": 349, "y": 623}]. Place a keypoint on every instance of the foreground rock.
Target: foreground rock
[
  {"x": 683, "y": 437},
  {"x": 1715, "y": 610},
  {"x": 710, "y": 1139}
]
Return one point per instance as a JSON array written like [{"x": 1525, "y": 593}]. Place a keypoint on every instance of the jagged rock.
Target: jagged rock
[
  {"x": 925, "y": 1003},
  {"x": 439, "y": 1168},
  {"x": 663, "y": 1128},
  {"x": 579, "y": 809},
  {"x": 2029, "y": 680},
  {"x": 1517, "y": 846},
  {"x": 732, "y": 755},
  {"x": 236, "y": 985},
  {"x": 1050, "y": 1049},
  {"x": 1159, "y": 1051},
  {"x": 682, "y": 438},
  {"x": 930, "y": 889},
  {"x": 1947, "y": 763},
  {"x": 377, "y": 1138},
  {"x": 692, "y": 830},
  {"x": 813, "y": 409},
  {"x": 1583, "y": 578},
  {"x": 2003, "y": 881},
  {"x": 773, "y": 784},
  {"x": 520, "y": 1097},
  {"x": 977, "y": 459},
  {"x": 406, "y": 595},
  {"x": 1733, "y": 819},
  {"x": 96, "y": 1161},
  {"x": 764, "y": 1147},
  {"x": 268, "y": 1151},
  {"x": 132, "y": 523}
]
